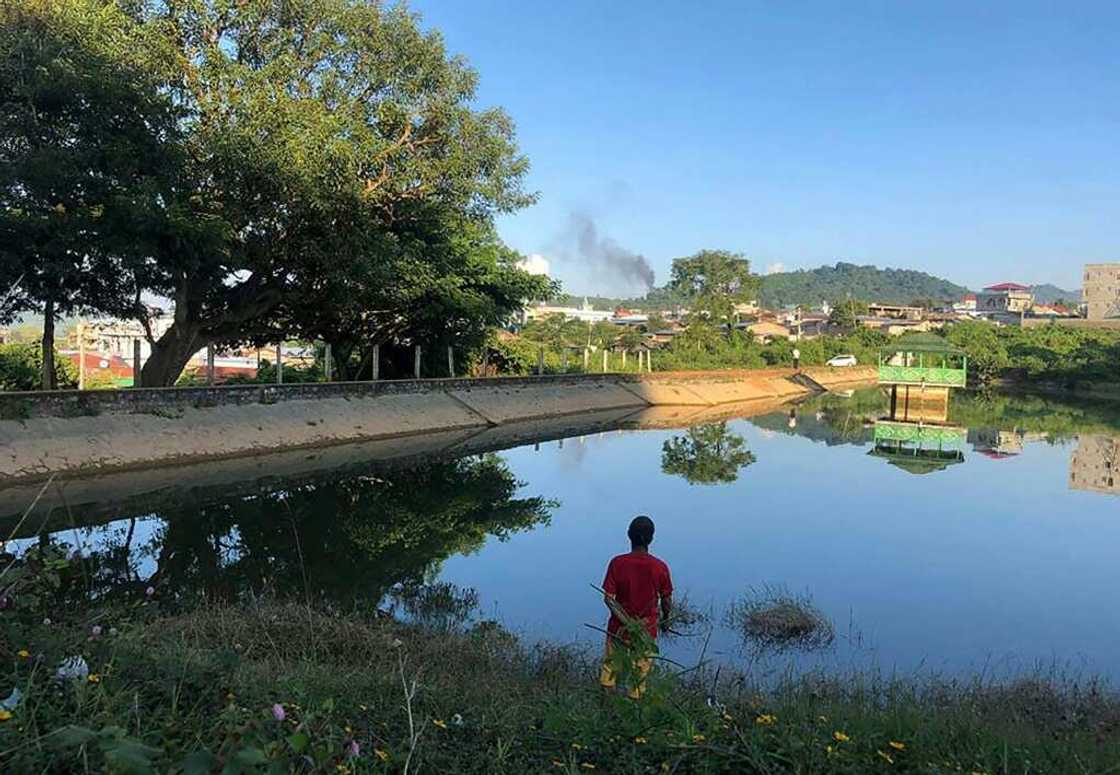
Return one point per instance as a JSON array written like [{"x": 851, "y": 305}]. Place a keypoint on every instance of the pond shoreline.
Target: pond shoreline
[
  {"x": 67, "y": 432},
  {"x": 291, "y": 686}
]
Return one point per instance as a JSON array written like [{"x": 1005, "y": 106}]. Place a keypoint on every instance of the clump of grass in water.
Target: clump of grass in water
[
  {"x": 772, "y": 618},
  {"x": 687, "y": 619},
  {"x": 441, "y": 605}
]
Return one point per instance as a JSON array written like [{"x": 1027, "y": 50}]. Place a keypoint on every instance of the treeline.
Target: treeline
[
  {"x": 831, "y": 284},
  {"x": 1052, "y": 353},
  {"x": 312, "y": 170}
]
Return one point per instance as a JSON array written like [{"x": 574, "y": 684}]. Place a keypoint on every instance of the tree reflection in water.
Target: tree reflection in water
[
  {"x": 707, "y": 454},
  {"x": 345, "y": 540}
]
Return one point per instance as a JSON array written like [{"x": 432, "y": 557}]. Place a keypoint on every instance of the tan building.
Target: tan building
[
  {"x": 1102, "y": 291},
  {"x": 1094, "y": 465},
  {"x": 1005, "y": 297}
]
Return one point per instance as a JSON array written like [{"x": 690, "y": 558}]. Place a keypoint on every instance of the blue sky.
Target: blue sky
[{"x": 979, "y": 141}]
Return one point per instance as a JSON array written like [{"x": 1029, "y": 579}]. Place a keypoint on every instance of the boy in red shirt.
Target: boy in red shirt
[{"x": 637, "y": 583}]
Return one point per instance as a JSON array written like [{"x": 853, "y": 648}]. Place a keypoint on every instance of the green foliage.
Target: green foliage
[
  {"x": 713, "y": 282},
  {"x": 844, "y": 281},
  {"x": 1048, "y": 353},
  {"x": 87, "y": 157},
  {"x": 845, "y": 314},
  {"x": 707, "y": 454},
  {"x": 21, "y": 368}
]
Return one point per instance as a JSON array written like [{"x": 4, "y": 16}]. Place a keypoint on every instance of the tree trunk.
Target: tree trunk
[
  {"x": 170, "y": 354},
  {"x": 48, "y": 381}
]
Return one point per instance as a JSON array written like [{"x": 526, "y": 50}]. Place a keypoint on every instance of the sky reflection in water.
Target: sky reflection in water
[{"x": 994, "y": 564}]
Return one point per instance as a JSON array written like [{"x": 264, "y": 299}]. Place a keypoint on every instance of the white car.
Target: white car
[{"x": 841, "y": 360}]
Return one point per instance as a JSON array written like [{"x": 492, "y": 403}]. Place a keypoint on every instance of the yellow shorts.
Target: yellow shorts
[{"x": 608, "y": 680}]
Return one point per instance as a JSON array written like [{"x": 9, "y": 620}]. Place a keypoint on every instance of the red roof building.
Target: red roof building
[{"x": 1008, "y": 287}]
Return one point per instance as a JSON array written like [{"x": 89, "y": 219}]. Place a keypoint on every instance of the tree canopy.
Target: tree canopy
[
  {"x": 713, "y": 282},
  {"x": 319, "y": 169}
]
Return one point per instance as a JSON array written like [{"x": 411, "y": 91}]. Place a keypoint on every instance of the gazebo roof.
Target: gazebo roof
[{"x": 921, "y": 343}]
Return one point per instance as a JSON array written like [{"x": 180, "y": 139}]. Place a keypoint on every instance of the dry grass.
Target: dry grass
[{"x": 773, "y": 619}]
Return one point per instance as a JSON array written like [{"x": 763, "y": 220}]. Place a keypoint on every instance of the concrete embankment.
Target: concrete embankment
[{"x": 69, "y": 433}]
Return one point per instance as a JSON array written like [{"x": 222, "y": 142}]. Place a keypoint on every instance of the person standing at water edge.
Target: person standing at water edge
[
  {"x": 636, "y": 586},
  {"x": 796, "y": 359}
]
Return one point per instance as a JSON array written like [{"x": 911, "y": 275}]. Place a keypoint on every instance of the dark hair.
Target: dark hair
[{"x": 641, "y": 531}]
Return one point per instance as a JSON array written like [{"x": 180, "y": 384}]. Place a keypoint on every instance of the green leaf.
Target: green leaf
[
  {"x": 200, "y": 762},
  {"x": 130, "y": 756},
  {"x": 71, "y": 736},
  {"x": 298, "y": 741},
  {"x": 250, "y": 757}
]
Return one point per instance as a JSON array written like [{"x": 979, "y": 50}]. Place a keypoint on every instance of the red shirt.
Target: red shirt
[{"x": 637, "y": 580}]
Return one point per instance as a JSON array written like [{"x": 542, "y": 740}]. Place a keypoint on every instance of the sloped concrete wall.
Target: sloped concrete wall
[{"x": 66, "y": 433}]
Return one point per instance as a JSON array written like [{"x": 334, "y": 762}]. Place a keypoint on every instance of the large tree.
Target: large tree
[
  {"x": 334, "y": 155},
  {"x": 713, "y": 282},
  {"x": 86, "y": 153}
]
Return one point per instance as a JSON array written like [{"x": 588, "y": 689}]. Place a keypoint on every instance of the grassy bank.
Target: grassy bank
[{"x": 276, "y": 687}]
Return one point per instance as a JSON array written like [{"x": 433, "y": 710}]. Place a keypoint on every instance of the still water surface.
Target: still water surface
[{"x": 1002, "y": 562}]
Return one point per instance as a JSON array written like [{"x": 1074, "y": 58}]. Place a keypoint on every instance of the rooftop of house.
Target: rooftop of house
[{"x": 1007, "y": 287}]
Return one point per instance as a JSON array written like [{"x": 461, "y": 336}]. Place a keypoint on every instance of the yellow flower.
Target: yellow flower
[
  {"x": 577, "y": 746},
  {"x": 341, "y": 768},
  {"x": 23, "y": 653},
  {"x": 822, "y": 718},
  {"x": 765, "y": 719},
  {"x": 348, "y": 729},
  {"x": 640, "y": 740},
  {"x": 828, "y": 749},
  {"x": 727, "y": 716},
  {"x": 381, "y": 754},
  {"x": 5, "y": 714},
  {"x": 886, "y": 757},
  {"x": 897, "y": 745},
  {"x": 840, "y": 737},
  {"x": 94, "y": 678},
  {"x": 440, "y": 723},
  {"x": 587, "y": 765},
  {"x": 697, "y": 738}
]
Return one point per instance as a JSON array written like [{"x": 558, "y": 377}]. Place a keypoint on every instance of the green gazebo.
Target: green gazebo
[
  {"x": 924, "y": 360},
  {"x": 916, "y": 447}
]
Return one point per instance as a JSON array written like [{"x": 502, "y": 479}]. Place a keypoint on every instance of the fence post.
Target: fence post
[
  {"x": 279, "y": 367},
  {"x": 375, "y": 362},
  {"x": 81, "y": 357},
  {"x": 624, "y": 360},
  {"x": 416, "y": 362},
  {"x": 328, "y": 364},
  {"x": 586, "y": 358},
  {"x": 210, "y": 365},
  {"x": 606, "y": 354},
  {"x": 649, "y": 360},
  {"x": 450, "y": 362},
  {"x": 136, "y": 363}
]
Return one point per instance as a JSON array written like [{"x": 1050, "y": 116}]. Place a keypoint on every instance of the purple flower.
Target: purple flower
[
  {"x": 353, "y": 750},
  {"x": 95, "y": 631},
  {"x": 278, "y": 712},
  {"x": 149, "y": 591}
]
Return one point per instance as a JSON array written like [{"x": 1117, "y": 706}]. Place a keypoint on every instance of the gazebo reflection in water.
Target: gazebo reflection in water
[{"x": 919, "y": 372}]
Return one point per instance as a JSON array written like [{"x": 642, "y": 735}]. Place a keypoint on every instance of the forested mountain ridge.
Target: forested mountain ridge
[{"x": 866, "y": 283}]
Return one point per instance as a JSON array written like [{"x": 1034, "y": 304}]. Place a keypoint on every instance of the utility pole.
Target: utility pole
[
  {"x": 279, "y": 366},
  {"x": 375, "y": 362},
  {"x": 416, "y": 362}
]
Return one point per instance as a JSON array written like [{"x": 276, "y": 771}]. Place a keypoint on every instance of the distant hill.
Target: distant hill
[
  {"x": 867, "y": 283},
  {"x": 1048, "y": 294}
]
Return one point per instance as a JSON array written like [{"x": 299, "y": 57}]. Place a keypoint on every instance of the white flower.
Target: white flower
[
  {"x": 397, "y": 643},
  {"x": 112, "y": 630},
  {"x": 457, "y": 720},
  {"x": 46, "y": 622},
  {"x": 95, "y": 631},
  {"x": 72, "y": 667}
]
